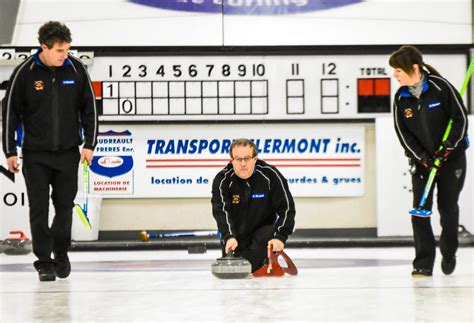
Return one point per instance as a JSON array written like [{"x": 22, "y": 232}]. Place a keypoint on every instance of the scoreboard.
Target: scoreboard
[
  {"x": 247, "y": 87},
  {"x": 233, "y": 87}
]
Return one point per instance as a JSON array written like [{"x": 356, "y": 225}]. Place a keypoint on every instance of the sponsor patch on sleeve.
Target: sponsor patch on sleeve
[{"x": 434, "y": 105}]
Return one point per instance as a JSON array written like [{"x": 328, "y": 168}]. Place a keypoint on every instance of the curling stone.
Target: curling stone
[
  {"x": 231, "y": 267},
  {"x": 20, "y": 245}
]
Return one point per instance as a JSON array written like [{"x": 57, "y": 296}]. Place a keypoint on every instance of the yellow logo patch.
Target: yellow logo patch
[
  {"x": 408, "y": 113},
  {"x": 39, "y": 85},
  {"x": 235, "y": 199}
]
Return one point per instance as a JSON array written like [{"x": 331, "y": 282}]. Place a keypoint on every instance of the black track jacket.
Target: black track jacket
[
  {"x": 53, "y": 106},
  {"x": 242, "y": 206},
  {"x": 420, "y": 123}
]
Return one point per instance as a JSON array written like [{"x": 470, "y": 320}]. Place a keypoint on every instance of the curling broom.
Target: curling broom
[{"x": 82, "y": 211}]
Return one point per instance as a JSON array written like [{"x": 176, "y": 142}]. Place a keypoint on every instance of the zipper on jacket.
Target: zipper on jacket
[
  {"x": 54, "y": 95},
  {"x": 247, "y": 191}
]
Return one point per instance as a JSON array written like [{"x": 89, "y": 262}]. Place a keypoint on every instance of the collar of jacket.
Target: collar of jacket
[
  {"x": 406, "y": 93},
  {"x": 38, "y": 61}
]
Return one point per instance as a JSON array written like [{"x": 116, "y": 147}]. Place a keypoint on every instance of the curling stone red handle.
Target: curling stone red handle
[
  {"x": 21, "y": 237},
  {"x": 291, "y": 269}
]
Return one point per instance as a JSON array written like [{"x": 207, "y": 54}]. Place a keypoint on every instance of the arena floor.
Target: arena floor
[{"x": 340, "y": 284}]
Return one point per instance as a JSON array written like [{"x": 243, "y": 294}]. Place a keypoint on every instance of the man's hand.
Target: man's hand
[
  {"x": 87, "y": 154},
  {"x": 275, "y": 245},
  {"x": 231, "y": 245},
  {"x": 13, "y": 164}
]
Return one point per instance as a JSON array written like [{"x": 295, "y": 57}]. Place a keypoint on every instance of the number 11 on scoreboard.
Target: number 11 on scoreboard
[{"x": 295, "y": 69}]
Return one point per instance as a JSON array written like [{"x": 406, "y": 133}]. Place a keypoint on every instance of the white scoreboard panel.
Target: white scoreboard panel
[{"x": 251, "y": 87}]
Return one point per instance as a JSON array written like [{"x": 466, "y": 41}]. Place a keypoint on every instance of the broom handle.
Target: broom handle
[
  {"x": 470, "y": 69},
  {"x": 183, "y": 234},
  {"x": 85, "y": 175}
]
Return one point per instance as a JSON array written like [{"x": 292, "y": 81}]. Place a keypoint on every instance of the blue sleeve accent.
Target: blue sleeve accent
[{"x": 19, "y": 135}]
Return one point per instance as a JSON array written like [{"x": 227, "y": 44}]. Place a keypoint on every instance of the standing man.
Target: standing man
[
  {"x": 50, "y": 97},
  {"x": 252, "y": 205}
]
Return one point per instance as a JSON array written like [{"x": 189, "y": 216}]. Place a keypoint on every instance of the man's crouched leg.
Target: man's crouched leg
[{"x": 256, "y": 251}]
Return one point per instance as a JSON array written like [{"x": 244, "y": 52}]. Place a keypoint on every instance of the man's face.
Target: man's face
[
  {"x": 243, "y": 161},
  {"x": 55, "y": 56}
]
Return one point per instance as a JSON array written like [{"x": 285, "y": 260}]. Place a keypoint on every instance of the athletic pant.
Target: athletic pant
[
  {"x": 58, "y": 170},
  {"x": 254, "y": 247},
  {"x": 449, "y": 183}
]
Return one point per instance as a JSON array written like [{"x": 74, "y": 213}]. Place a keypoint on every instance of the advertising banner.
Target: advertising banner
[{"x": 182, "y": 160}]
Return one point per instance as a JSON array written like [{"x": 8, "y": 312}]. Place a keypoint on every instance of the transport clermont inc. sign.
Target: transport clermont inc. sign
[{"x": 247, "y": 7}]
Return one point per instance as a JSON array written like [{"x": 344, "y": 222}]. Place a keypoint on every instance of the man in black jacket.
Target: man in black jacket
[
  {"x": 50, "y": 97},
  {"x": 252, "y": 205}
]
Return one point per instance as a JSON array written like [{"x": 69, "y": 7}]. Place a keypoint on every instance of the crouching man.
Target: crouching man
[{"x": 252, "y": 205}]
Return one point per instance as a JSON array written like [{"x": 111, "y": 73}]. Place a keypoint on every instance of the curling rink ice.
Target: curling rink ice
[{"x": 354, "y": 284}]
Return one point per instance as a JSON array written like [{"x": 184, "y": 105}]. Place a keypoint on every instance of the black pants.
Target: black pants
[
  {"x": 254, "y": 247},
  {"x": 58, "y": 170},
  {"x": 449, "y": 183}
]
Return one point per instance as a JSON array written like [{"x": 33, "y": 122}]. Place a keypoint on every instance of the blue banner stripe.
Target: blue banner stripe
[{"x": 248, "y": 7}]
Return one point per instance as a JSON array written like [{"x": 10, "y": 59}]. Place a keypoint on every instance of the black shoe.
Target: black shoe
[
  {"x": 420, "y": 273},
  {"x": 448, "y": 265},
  {"x": 63, "y": 266},
  {"x": 46, "y": 273}
]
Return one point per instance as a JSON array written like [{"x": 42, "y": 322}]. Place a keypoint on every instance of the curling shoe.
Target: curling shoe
[
  {"x": 421, "y": 273},
  {"x": 46, "y": 273},
  {"x": 448, "y": 265},
  {"x": 63, "y": 266}
]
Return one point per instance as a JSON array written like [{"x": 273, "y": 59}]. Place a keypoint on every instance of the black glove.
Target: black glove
[
  {"x": 429, "y": 163},
  {"x": 442, "y": 153}
]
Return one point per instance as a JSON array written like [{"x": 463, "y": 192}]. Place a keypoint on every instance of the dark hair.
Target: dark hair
[
  {"x": 53, "y": 32},
  {"x": 243, "y": 142},
  {"x": 406, "y": 56}
]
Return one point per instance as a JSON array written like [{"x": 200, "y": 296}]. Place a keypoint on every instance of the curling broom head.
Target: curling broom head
[
  {"x": 420, "y": 213},
  {"x": 82, "y": 216}
]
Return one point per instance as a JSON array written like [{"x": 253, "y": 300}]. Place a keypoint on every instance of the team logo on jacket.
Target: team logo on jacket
[
  {"x": 39, "y": 85},
  {"x": 235, "y": 199},
  {"x": 408, "y": 113}
]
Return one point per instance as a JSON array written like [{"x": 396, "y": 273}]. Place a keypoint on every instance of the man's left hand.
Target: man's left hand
[
  {"x": 87, "y": 154},
  {"x": 276, "y": 245}
]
